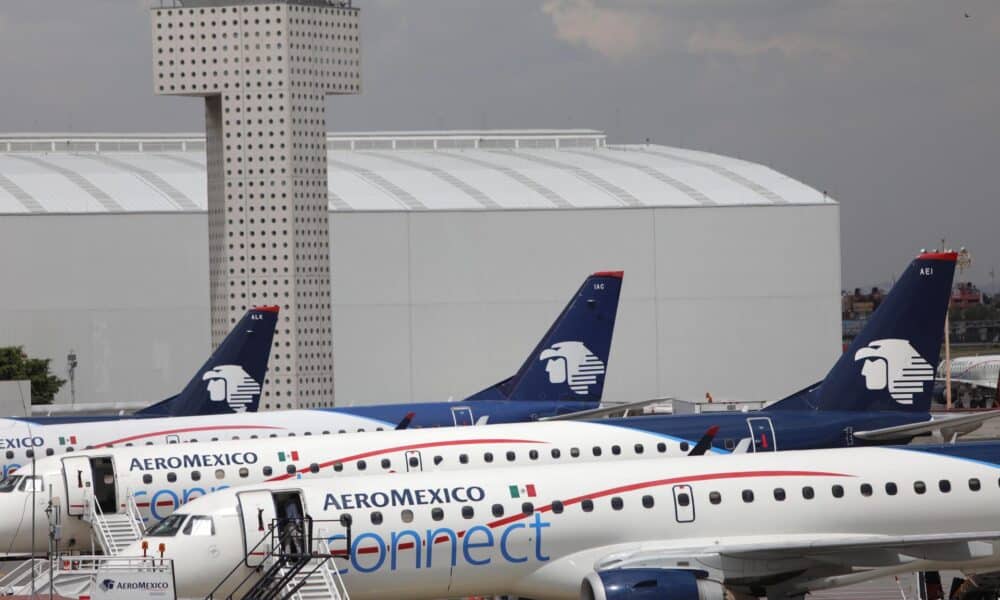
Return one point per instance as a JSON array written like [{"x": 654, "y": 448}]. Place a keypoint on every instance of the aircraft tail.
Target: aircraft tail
[
  {"x": 233, "y": 377},
  {"x": 570, "y": 361},
  {"x": 891, "y": 364}
]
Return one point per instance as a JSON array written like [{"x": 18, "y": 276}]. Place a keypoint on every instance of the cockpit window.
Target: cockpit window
[
  {"x": 9, "y": 483},
  {"x": 199, "y": 525},
  {"x": 167, "y": 527},
  {"x": 31, "y": 484}
]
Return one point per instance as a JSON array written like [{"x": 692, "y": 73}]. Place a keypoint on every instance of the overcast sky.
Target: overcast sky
[{"x": 892, "y": 106}]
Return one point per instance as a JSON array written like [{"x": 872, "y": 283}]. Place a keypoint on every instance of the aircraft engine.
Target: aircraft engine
[{"x": 650, "y": 584}]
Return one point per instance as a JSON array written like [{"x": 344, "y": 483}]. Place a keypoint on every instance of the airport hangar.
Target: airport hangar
[{"x": 451, "y": 253}]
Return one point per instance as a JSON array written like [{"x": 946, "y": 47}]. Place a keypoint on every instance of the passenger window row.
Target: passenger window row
[{"x": 837, "y": 491}]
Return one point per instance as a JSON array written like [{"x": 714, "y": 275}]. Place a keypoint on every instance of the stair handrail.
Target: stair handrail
[
  {"x": 267, "y": 536},
  {"x": 23, "y": 573},
  {"x": 330, "y": 572},
  {"x": 96, "y": 517},
  {"x": 135, "y": 517}
]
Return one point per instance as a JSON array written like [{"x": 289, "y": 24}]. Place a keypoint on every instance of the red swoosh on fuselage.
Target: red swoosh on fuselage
[
  {"x": 183, "y": 430},
  {"x": 622, "y": 489},
  {"x": 420, "y": 446}
]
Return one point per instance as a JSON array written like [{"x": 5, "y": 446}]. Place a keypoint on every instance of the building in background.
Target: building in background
[{"x": 450, "y": 253}]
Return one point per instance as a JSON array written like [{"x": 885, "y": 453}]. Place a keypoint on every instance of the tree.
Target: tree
[{"x": 15, "y": 365}]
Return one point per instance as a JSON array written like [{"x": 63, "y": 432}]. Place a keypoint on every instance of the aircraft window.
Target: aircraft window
[
  {"x": 468, "y": 512},
  {"x": 919, "y": 487},
  {"x": 406, "y": 515},
  {"x": 129, "y": 444},
  {"x": 253, "y": 436},
  {"x": 685, "y": 446},
  {"x": 376, "y": 518},
  {"x": 342, "y": 431},
  {"x": 587, "y": 505},
  {"x": 326, "y": 432},
  {"x": 463, "y": 458},
  {"x": 9, "y": 483},
  {"x": 338, "y": 467},
  {"x": 945, "y": 486},
  {"x": 838, "y": 491},
  {"x": 244, "y": 472},
  {"x": 748, "y": 496},
  {"x": 379, "y": 429},
  {"x": 147, "y": 443},
  {"x": 597, "y": 450},
  {"x": 683, "y": 499},
  {"x": 215, "y": 439},
  {"x": 661, "y": 447},
  {"x": 167, "y": 527},
  {"x": 498, "y": 510},
  {"x": 556, "y": 453},
  {"x": 533, "y": 454},
  {"x": 639, "y": 449},
  {"x": 314, "y": 468},
  {"x": 361, "y": 429},
  {"x": 527, "y": 508},
  {"x": 147, "y": 478},
  {"x": 891, "y": 489},
  {"x": 362, "y": 465},
  {"x": 438, "y": 459},
  {"x": 171, "y": 477},
  {"x": 488, "y": 457},
  {"x": 437, "y": 513},
  {"x": 10, "y": 454},
  {"x": 69, "y": 448},
  {"x": 291, "y": 434},
  {"x": 49, "y": 452},
  {"x": 236, "y": 437},
  {"x": 267, "y": 471},
  {"x": 574, "y": 452},
  {"x": 30, "y": 453},
  {"x": 385, "y": 463},
  {"x": 307, "y": 433},
  {"x": 220, "y": 474},
  {"x": 290, "y": 469},
  {"x": 511, "y": 457},
  {"x": 974, "y": 484},
  {"x": 274, "y": 435},
  {"x": 866, "y": 489},
  {"x": 199, "y": 525},
  {"x": 647, "y": 501},
  {"x": 779, "y": 494},
  {"x": 715, "y": 497},
  {"x": 808, "y": 493},
  {"x": 616, "y": 449},
  {"x": 557, "y": 507},
  {"x": 195, "y": 475},
  {"x": 31, "y": 484},
  {"x": 414, "y": 462}
]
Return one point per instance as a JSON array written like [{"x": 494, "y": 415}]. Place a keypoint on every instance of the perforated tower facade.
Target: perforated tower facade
[{"x": 264, "y": 70}]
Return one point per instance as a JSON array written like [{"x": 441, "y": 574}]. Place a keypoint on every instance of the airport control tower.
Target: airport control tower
[{"x": 264, "y": 69}]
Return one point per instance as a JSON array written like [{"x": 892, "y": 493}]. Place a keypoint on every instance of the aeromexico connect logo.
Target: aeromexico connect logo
[
  {"x": 895, "y": 365},
  {"x": 107, "y": 585},
  {"x": 232, "y": 384},
  {"x": 574, "y": 364}
]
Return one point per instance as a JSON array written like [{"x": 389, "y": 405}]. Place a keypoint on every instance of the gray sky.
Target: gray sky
[{"x": 893, "y": 106}]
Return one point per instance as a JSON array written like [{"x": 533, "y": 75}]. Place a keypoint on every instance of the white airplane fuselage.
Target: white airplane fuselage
[{"x": 540, "y": 531}]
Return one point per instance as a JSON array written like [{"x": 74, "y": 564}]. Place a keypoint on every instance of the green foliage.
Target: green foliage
[{"x": 15, "y": 365}]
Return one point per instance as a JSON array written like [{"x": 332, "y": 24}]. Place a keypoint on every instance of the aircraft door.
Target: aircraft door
[
  {"x": 462, "y": 415},
  {"x": 414, "y": 462},
  {"x": 762, "y": 434},
  {"x": 79, "y": 480},
  {"x": 258, "y": 513},
  {"x": 683, "y": 503}
]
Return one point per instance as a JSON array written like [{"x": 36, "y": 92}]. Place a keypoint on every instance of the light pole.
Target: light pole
[{"x": 71, "y": 369}]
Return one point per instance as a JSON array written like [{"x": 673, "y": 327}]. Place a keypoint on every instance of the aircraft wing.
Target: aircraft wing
[
  {"x": 603, "y": 411},
  {"x": 983, "y": 383},
  {"x": 945, "y": 427}
]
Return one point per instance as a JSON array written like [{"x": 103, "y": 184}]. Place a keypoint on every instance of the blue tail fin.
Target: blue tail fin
[
  {"x": 891, "y": 364},
  {"x": 233, "y": 377},
  {"x": 570, "y": 361}
]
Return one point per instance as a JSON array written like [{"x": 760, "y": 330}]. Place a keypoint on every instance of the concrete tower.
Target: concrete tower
[{"x": 264, "y": 69}]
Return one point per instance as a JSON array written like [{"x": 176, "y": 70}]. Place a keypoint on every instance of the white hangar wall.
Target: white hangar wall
[{"x": 739, "y": 301}]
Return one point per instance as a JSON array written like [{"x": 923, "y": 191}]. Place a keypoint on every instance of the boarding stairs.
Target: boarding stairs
[
  {"x": 114, "y": 532},
  {"x": 72, "y": 575},
  {"x": 291, "y": 575}
]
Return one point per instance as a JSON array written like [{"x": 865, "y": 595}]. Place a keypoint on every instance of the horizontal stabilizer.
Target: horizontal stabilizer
[
  {"x": 944, "y": 428},
  {"x": 603, "y": 411}
]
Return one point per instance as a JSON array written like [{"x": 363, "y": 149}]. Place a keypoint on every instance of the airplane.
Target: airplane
[
  {"x": 233, "y": 371},
  {"x": 982, "y": 373},
  {"x": 563, "y": 375},
  {"x": 687, "y": 529},
  {"x": 163, "y": 478}
]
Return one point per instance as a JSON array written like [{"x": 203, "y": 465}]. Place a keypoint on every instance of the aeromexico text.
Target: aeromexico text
[
  {"x": 192, "y": 461},
  {"x": 405, "y": 497}
]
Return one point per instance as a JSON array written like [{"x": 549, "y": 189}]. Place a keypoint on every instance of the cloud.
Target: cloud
[
  {"x": 727, "y": 40},
  {"x": 617, "y": 32}
]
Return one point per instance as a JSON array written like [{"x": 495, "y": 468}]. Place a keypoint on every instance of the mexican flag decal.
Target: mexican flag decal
[
  {"x": 293, "y": 455},
  {"x": 517, "y": 491},
  {"x": 67, "y": 440}
]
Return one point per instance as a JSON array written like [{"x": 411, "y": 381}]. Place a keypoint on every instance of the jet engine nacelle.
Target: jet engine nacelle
[{"x": 650, "y": 584}]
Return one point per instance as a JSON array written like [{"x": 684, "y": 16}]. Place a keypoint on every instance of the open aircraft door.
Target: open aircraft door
[
  {"x": 258, "y": 514},
  {"x": 762, "y": 434},
  {"x": 79, "y": 483}
]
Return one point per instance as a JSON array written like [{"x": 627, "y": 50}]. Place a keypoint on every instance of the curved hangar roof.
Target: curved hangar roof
[{"x": 470, "y": 170}]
